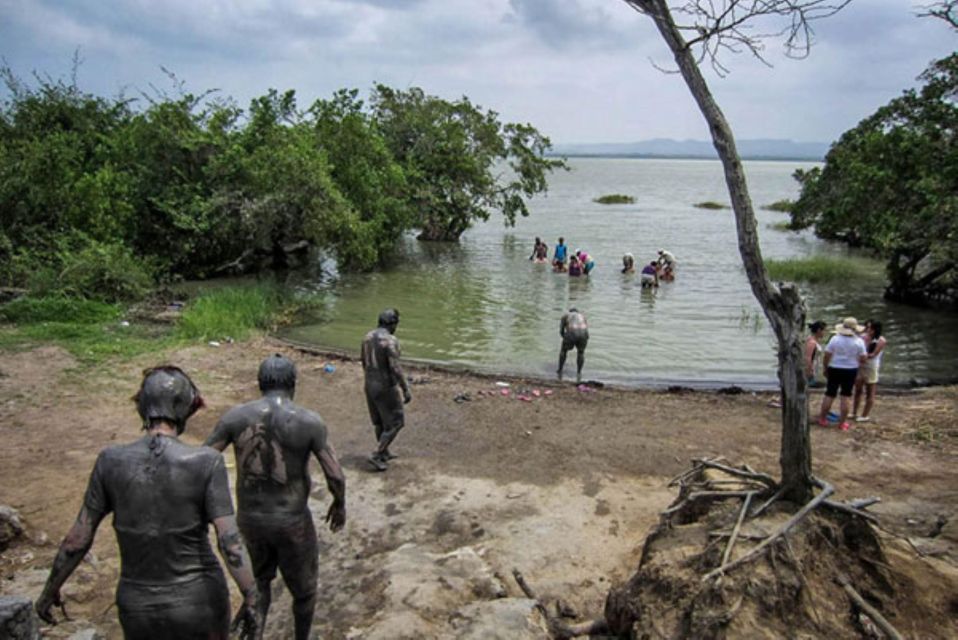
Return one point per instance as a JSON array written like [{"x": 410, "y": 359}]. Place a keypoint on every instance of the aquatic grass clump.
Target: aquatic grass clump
[
  {"x": 822, "y": 269},
  {"x": 782, "y": 206},
  {"x": 231, "y": 312},
  {"x": 615, "y": 198},
  {"x": 781, "y": 225},
  {"x": 710, "y": 204}
]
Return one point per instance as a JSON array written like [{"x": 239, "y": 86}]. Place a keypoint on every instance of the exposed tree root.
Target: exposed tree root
[
  {"x": 827, "y": 490},
  {"x": 687, "y": 584},
  {"x": 869, "y": 610},
  {"x": 558, "y": 628}
]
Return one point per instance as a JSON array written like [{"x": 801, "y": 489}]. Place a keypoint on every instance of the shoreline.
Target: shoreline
[{"x": 641, "y": 384}]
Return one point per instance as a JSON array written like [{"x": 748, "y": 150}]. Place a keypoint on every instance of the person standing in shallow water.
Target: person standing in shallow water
[
  {"x": 163, "y": 495},
  {"x": 273, "y": 438},
  {"x": 575, "y": 334},
  {"x": 384, "y": 379}
]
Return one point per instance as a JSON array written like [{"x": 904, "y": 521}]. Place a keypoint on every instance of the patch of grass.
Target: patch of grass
[
  {"x": 235, "y": 312},
  {"x": 710, "y": 204},
  {"x": 31, "y": 310},
  {"x": 783, "y": 206},
  {"x": 782, "y": 225},
  {"x": 819, "y": 269},
  {"x": 615, "y": 198},
  {"x": 91, "y": 331}
]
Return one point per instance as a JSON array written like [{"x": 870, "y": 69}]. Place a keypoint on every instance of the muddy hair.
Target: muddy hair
[
  {"x": 277, "y": 373},
  {"x": 175, "y": 410}
]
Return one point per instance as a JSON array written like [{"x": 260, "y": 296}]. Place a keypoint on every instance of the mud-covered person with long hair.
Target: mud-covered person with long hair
[{"x": 163, "y": 495}]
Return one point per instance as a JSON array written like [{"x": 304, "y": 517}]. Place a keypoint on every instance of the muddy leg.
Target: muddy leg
[
  {"x": 265, "y": 597},
  {"x": 562, "y": 354},
  {"x": 303, "y": 609},
  {"x": 579, "y": 361}
]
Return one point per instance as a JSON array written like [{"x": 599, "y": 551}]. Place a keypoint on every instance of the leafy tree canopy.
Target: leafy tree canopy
[
  {"x": 461, "y": 162},
  {"x": 193, "y": 186},
  {"x": 891, "y": 185}
]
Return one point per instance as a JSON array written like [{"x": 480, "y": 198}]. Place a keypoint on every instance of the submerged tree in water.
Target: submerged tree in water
[
  {"x": 891, "y": 185},
  {"x": 461, "y": 163}
]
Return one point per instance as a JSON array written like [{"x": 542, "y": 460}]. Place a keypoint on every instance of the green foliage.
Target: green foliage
[
  {"x": 820, "y": 269},
  {"x": 451, "y": 151},
  {"x": 32, "y": 310},
  {"x": 615, "y": 198},
  {"x": 783, "y": 206},
  {"x": 891, "y": 185},
  {"x": 231, "y": 312},
  {"x": 88, "y": 329},
  {"x": 101, "y": 198},
  {"x": 710, "y": 204}
]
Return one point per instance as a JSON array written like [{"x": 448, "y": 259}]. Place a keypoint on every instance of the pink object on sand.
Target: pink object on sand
[
  {"x": 536, "y": 393},
  {"x": 504, "y": 392},
  {"x": 547, "y": 392},
  {"x": 525, "y": 398}
]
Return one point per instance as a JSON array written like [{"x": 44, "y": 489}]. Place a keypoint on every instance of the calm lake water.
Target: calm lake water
[{"x": 483, "y": 304}]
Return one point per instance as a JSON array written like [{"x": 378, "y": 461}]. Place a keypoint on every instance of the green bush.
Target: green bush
[{"x": 615, "y": 198}]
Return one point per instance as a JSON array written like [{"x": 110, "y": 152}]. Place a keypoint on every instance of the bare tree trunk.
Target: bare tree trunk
[{"x": 782, "y": 305}]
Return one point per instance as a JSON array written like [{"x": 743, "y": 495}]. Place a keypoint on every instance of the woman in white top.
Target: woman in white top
[
  {"x": 844, "y": 354},
  {"x": 867, "y": 380}
]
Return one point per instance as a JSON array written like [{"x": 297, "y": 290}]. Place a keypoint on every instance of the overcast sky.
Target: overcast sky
[{"x": 578, "y": 70}]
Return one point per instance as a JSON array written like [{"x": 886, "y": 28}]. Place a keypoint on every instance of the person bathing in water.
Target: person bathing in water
[
  {"x": 540, "y": 252},
  {"x": 650, "y": 275},
  {"x": 575, "y": 335},
  {"x": 588, "y": 264},
  {"x": 628, "y": 263},
  {"x": 559, "y": 255},
  {"x": 666, "y": 264},
  {"x": 575, "y": 267}
]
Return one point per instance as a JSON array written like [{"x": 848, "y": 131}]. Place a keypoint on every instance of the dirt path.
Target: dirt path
[{"x": 563, "y": 488}]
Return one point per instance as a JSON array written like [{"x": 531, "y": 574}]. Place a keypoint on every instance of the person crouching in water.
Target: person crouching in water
[
  {"x": 628, "y": 263},
  {"x": 575, "y": 267},
  {"x": 575, "y": 334},
  {"x": 588, "y": 264},
  {"x": 650, "y": 275},
  {"x": 163, "y": 495},
  {"x": 273, "y": 438}
]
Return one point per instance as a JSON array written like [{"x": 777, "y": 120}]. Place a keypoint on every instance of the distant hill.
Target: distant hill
[{"x": 668, "y": 148}]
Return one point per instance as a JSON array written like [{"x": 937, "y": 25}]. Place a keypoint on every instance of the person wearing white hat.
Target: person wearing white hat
[{"x": 844, "y": 354}]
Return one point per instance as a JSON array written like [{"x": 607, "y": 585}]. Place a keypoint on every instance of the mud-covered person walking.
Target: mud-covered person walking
[
  {"x": 273, "y": 438},
  {"x": 163, "y": 495}
]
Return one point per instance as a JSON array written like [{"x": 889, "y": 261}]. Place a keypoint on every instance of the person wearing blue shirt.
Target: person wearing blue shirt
[{"x": 558, "y": 260}]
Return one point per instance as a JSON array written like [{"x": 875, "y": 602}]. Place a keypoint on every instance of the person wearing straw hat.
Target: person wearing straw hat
[{"x": 844, "y": 354}]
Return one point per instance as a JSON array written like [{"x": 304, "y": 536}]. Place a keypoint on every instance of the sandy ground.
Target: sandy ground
[{"x": 563, "y": 488}]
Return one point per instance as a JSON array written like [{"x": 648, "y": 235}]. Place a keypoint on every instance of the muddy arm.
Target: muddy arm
[
  {"x": 72, "y": 550},
  {"x": 221, "y": 437},
  {"x": 231, "y": 547},
  {"x": 394, "y": 366},
  {"x": 335, "y": 482}
]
